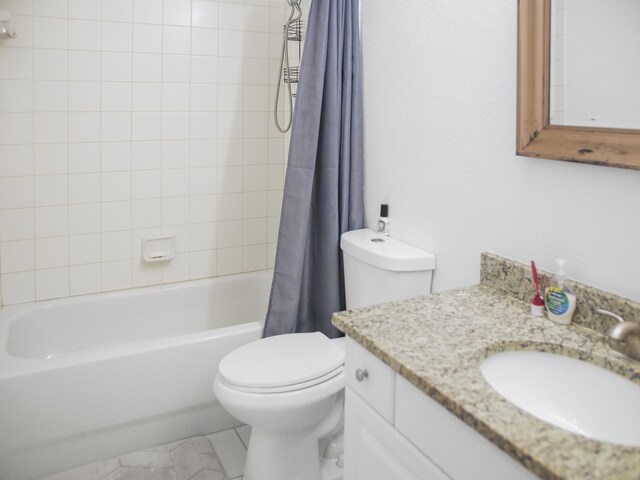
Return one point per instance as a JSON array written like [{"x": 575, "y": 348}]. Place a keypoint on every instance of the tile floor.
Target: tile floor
[{"x": 219, "y": 456}]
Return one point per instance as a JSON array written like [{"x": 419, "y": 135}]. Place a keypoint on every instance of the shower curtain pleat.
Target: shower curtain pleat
[{"x": 324, "y": 180}]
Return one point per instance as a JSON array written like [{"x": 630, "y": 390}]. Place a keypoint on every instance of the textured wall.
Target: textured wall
[
  {"x": 121, "y": 119},
  {"x": 440, "y": 91}
]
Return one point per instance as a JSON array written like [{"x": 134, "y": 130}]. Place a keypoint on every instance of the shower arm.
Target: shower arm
[{"x": 295, "y": 6}]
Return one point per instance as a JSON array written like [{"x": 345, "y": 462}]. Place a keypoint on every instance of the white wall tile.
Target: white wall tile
[
  {"x": 231, "y": 43},
  {"x": 115, "y": 156},
  {"x": 84, "y": 96},
  {"x": 50, "y": 8},
  {"x": 116, "y": 186},
  {"x": 52, "y": 283},
  {"x": 177, "y": 12},
  {"x": 146, "y": 97},
  {"x": 84, "y": 249},
  {"x": 147, "y": 38},
  {"x": 204, "y": 41},
  {"x": 117, "y": 10},
  {"x": 16, "y": 192},
  {"x": 229, "y": 260},
  {"x": 254, "y": 258},
  {"x": 84, "y": 127},
  {"x": 146, "y": 155},
  {"x": 84, "y": 157},
  {"x": 175, "y": 211},
  {"x": 16, "y": 95},
  {"x": 203, "y": 153},
  {"x": 202, "y": 236},
  {"x": 204, "y": 13},
  {"x": 51, "y": 221},
  {"x": 84, "y": 188},
  {"x": 203, "y": 208},
  {"x": 176, "y": 40},
  {"x": 116, "y": 37},
  {"x": 18, "y": 287},
  {"x": 115, "y": 126},
  {"x": 52, "y": 252},
  {"x": 116, "y": 67},
  {"x": 50, "y": 33},
  {"x": 204, "y": 69},
  {"x": 116, "y": 275},
  {"x": 147, "y": 213},
  {"x": 85, "y": 279},
  {"x": 115, "y": 216},
  {"x": 84, "y": 66},
  {"x": 147, "y": 67},
  {"x": 85, "y": 9},
  {"x": 122, "y": 118},
  {"x": 175, "y": 68},
  {"x": 17, "y": 256},
  {"x": 16, "y": 224},
  {"x": 177, "y": 269},
  {"x": 115, "y": 96},
  {"x": 50, "y": 190},
  {"x": 16, "y": 160},
  {"x": 147, "y": 11},
  {"x": 16, "y": 128},
  {"x": 146, "y": 126},
  {"x": 84, "y": 218},
  {"x": 116, "y": 246},
  {"x": 175, "y": 154},
  {"x": 203, "y": 264},
  {"x": 231, "y": 16},
  {"x": 84, "y": 35},
  {"x": 175, "y": 182}
]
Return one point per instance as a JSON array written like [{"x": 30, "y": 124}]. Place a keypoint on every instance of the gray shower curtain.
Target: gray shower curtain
[{"x": 323, "y": 186}]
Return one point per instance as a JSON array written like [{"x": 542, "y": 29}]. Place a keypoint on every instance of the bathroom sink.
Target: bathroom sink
[{"x": 568, "y": 393}]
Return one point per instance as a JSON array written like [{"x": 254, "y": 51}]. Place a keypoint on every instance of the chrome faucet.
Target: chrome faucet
[{"x": 624, "y": 337}]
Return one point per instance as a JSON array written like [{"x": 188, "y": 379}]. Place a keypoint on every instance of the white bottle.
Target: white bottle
[{"x": 560, "y": 302}]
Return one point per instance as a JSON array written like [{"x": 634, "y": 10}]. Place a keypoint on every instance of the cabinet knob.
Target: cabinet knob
[{"x": 361, "y": 374}]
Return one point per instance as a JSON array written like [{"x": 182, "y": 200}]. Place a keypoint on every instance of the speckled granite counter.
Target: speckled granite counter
[{"x": 438, "y": 342}]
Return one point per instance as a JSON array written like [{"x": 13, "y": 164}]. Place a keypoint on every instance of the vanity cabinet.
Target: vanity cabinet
[{"x": 395, "y": 431}]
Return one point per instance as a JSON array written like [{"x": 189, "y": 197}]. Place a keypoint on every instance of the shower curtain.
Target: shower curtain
[{"x": 323, "y": 186}]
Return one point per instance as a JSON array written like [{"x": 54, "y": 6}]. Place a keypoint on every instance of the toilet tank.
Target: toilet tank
[{"x": 379, "y": 269}]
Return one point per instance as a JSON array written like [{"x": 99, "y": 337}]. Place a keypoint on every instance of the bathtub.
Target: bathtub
[{"x": 89, "y": 378}]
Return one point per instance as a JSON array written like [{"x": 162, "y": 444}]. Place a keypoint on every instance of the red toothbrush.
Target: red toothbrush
[{"x": 537, "y": 302}]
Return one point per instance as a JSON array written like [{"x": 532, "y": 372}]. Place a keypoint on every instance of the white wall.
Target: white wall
[
  {"x": 440, "y": 91},
  {"x": 121, "y": 119}
]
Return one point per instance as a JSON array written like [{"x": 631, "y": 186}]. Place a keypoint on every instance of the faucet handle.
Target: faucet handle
[{"x": 610, "y": 314}]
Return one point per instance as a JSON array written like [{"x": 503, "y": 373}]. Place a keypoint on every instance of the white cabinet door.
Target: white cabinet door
[{"x": 374, "y": 450}]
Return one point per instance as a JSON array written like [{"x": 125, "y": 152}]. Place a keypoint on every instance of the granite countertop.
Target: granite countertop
[{"x": 437, "y": 342}]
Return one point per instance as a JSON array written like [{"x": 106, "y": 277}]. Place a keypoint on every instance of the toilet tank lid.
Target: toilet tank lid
[{"x": 386, "y": 252}]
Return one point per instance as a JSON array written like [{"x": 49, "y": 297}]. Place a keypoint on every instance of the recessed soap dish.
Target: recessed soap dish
[{"x": 158, "y": 249}]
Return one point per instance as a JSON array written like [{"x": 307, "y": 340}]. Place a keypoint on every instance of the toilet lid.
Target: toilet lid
[{"x": 281, "y": 361}]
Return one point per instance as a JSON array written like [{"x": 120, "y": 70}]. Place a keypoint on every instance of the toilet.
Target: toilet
[{"x": 290, "y": 388}]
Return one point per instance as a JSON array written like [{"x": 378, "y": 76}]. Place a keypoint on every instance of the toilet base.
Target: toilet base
[{"x": 275, "y": 457}]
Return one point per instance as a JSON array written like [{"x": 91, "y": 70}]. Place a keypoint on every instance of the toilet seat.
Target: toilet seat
[{"x": 283, "y": 363}]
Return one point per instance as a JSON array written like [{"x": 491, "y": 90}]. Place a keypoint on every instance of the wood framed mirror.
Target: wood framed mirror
[{"x": 536, "y": 135}]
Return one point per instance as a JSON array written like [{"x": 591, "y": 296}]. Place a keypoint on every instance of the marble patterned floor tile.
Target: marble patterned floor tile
[
  {"x": 196, "y": 458},
  {"x": 244, "y": 432},
  {"x": 231, "y": 452}
]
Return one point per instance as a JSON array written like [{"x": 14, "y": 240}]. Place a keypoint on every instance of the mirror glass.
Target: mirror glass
[{"x": 595, "y": 63}]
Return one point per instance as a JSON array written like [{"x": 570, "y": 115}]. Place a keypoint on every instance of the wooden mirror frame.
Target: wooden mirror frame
[{"x": 536, "y": 137}]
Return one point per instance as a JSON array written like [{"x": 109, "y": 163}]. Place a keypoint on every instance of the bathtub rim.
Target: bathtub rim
[{"x": 14, "y": 366}]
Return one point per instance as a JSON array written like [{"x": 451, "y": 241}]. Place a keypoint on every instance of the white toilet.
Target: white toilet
[{"x": 289, "y": 388}]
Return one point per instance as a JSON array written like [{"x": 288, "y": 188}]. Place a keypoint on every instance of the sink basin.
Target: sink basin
[{"x": 568, "y": 393}]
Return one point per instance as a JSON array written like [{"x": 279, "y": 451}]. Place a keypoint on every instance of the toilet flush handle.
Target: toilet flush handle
[{"x": 361, "y": 374}]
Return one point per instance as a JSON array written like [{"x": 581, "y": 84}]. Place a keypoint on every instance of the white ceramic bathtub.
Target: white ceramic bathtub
[{"x": 89, "y": 378}]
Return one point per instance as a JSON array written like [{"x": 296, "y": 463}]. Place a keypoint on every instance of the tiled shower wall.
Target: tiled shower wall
[{"x": 122, "y": 119}]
